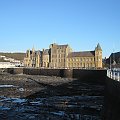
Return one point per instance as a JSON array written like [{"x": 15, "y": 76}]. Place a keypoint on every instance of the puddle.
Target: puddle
[
  {"x": 60, "y": 113},
  {"x": 57, "y": 107},
  {"x": 7, "y": 86}
]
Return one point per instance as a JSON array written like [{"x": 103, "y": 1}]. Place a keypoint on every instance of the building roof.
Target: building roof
[
  {"x": 82, "y": 54},
  {"x": 38, "y": 52},
  {"x": 98, "y": 47},
  {"x": 46, "y": 51},
  {"x": 62, "y": 45},
  {"x": 56, "y": 45}
]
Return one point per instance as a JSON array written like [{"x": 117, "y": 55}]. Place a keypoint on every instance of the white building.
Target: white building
[
  {"x": 6, "y": 65},
  {"x": 2, "y": 56}
]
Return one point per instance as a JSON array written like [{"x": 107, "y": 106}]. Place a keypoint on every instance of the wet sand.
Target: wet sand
[{"x": 25, "y": 85}]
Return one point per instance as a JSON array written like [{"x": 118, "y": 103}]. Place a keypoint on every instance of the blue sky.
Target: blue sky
[{"x": 80, "y": 23}]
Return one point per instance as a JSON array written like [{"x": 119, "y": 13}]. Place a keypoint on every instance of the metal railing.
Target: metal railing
[{"x": 113, "y": 74}]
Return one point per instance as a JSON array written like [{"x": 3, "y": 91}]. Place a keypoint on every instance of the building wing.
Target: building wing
[{"x": 82, "y": 54}]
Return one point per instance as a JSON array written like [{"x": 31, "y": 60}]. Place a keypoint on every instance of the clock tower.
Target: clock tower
[{"x": 98, "y": 56}]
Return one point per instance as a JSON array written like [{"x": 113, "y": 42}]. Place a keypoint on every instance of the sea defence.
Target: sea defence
[
  {"x": 112, "y": 99},
  {"x": 97, "y": 76}
]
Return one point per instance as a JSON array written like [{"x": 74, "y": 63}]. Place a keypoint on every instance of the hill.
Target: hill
[{"x": 16, "y": 56}]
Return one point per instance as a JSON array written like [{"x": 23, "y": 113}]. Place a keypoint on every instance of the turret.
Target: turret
[
  {"x": 98, "y": 56},
  {"x": 28, "y": 53},
  {"x": 37, "y": 59}
]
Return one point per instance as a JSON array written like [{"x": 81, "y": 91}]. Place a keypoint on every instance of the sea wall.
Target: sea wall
[
  {"x": 15, "y": 70},
  {"x": 49, "y": 72},
  {"x": 97, "y": 76},
  {"x": 3, "y": 70},
  {"x": 112, "y": 99}
]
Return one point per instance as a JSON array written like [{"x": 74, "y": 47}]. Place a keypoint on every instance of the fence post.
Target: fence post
[
  {"x": 108, "y": 73},
  {"x": 113, "y": 75},
  {"x": 118, "y": 76}
]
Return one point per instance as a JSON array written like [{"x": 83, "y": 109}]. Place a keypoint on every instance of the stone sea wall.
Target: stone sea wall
[
  {"x": 97, "y": 76},
  {"x": 112, "y": 99}
]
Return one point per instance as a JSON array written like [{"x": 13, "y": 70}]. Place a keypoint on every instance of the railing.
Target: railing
[{"x": 113, "y": 74}]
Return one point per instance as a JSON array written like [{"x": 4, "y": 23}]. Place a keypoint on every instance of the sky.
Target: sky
[{"x": 80, "y": 23}]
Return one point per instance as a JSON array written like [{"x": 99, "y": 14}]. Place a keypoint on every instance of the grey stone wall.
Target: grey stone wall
[
  {"x": 97, "y": 76},
  {"x": 46, "y": 72},
  {"x": 112, "y": 99},
  {"x": 15, "y": 70}
]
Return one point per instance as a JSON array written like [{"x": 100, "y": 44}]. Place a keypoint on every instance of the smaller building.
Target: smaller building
[
  {"x": 7, "y": 65},
  {"x": 85, "y": 59},
  {"x": 33, "y": 58},
  {"x": 45, "y": 58}
]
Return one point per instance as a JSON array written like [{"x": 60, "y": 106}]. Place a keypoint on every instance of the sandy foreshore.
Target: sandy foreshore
[
  {"x": 34, "y": 97},
  {"x": 44, "y": 86},
  {"x": 24, "y": 85}
]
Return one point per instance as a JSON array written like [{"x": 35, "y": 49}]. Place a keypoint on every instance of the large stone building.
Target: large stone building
[{"x": 61, "y": 56}]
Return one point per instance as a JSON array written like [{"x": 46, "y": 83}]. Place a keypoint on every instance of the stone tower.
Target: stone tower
[
  {"x": 98, "y": 56},
  {"x": 58, "y": 55},
  {"x": 37, "y": 63},
  {"x": 33, "y": 57}
]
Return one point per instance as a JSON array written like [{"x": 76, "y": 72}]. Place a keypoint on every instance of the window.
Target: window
[
  {"x": 91, "y": 65},
  {"x": 81, "y": 64},
  {"x": 74, "y": 64}
]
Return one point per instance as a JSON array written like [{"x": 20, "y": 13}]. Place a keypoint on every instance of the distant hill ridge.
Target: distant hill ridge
[{"x": 16, "y": 56}]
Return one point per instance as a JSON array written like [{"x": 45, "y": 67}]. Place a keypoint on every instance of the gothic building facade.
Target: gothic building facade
[
  {"x": 33, "y": 58},
  {"x": 61, "y": 56}
]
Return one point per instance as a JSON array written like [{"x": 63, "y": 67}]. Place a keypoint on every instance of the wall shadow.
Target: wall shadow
[
  {"x": 74, "y": 88},
  {"x": 80, "y": 92}
]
